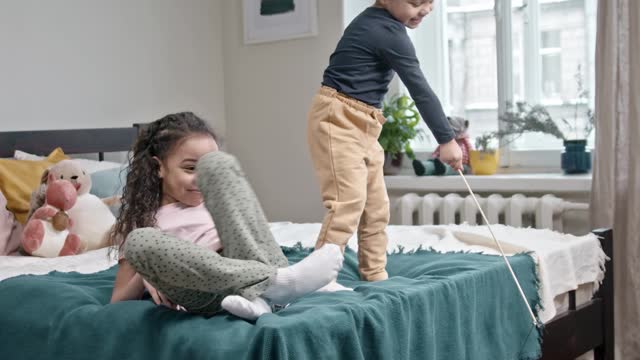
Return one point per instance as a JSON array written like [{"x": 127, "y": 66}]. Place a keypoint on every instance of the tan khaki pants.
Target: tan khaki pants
[{"x": 343, "y": 141}]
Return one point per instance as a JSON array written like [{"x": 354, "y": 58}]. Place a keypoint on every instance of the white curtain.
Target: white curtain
[{"x": 615, "y": 194}]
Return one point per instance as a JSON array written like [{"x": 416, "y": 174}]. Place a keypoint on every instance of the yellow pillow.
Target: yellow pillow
[{"x": 18, "y": 178}]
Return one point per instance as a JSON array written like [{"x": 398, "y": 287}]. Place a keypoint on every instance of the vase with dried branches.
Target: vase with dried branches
[{"x": 523, "y": 118}]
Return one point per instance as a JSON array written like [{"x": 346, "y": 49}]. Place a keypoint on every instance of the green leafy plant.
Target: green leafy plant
[{"x": 401, "y": 126}]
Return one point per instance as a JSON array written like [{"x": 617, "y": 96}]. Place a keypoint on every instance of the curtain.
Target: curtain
[{"x": 615, "y": 193}]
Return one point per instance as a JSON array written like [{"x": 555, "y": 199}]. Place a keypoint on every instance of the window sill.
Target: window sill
[{"x": 503, "y": 183}]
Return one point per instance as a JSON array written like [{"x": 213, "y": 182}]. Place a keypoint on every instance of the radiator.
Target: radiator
[{"x": 518, "y": 210}]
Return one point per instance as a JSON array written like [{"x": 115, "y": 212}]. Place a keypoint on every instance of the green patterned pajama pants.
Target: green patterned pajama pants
[{"x": 198, "y": 278}]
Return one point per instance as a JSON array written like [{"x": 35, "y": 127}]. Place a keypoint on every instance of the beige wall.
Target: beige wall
[
  {"x": 268, "y": 88},
  {"x": 89, "y": 64}
]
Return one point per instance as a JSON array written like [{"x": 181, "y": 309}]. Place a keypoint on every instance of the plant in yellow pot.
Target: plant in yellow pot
[
  {"x": 484, "y": 159},
  {"x": 518, "y": 120}
]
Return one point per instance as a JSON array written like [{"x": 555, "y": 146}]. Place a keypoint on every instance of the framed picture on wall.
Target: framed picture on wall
[{"x": 273, "y": 20}]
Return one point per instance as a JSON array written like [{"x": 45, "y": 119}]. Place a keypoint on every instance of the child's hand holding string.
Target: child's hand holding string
[{"x": 451, "y": 154}]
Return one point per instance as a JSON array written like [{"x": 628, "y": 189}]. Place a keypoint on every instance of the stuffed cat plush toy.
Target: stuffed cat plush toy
[{"x": 91, "y": 219}]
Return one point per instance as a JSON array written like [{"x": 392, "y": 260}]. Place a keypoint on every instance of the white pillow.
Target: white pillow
[
  {"x": 91, "y": 166},
  {"x": 21, "y": 155},
  {"x": 10, "y": 229}
]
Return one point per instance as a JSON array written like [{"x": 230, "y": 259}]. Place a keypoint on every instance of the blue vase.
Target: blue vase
[{"x": 575, "y": 158}]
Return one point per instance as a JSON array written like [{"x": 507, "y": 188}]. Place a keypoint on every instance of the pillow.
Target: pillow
[
  {"x": 18, "y": 178},
  {"x": 107, "y": 183},
  {"x": 90, "y": 166},
  {"x": 110, "y": 182},
  {"x": 9, "y": 230},
  {"x": 21, "y": 155},
  {"x": 93, "y": 166}
]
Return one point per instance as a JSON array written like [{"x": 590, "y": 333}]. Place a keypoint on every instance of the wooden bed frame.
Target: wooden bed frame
[
  {"x": 588, "y": 326},
  {"x": 74, "y": 141},
  {"x": 579, "y": 329}
]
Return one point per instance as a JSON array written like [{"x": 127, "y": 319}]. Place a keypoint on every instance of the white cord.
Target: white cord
[{"x": 533, "y": 317}]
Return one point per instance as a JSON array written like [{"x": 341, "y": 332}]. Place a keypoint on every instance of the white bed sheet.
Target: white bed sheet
[{"x": 565, "y": 262}]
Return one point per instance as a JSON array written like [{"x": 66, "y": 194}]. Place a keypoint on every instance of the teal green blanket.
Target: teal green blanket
[{"x": 434, "y": 306}]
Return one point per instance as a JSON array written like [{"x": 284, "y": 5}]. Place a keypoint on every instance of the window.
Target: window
[
  {"x": 557, "y": 41},
  {"x": 538, "y": 45},
  {"x": 551, "y": 53},
  {"x": 473, "y": 87}
]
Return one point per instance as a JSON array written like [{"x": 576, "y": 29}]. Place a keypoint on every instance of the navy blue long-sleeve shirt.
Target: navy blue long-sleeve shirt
[{"x": 372, "y": 47}]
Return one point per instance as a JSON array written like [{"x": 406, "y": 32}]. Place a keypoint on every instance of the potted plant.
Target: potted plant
[
  {"x": 535, "y": 118},
  {"x": 523, "y": 118},
  {"x": 485, "y": 158},
  {"x": 518, "y": 120},
  {"x": 576, "y": 159},
  {"x": 397, "y": 132}
]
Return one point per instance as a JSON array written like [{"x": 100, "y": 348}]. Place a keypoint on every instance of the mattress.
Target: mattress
[
  {"x": 434, "y": 305},
  {"x": 564, "y": 262}
]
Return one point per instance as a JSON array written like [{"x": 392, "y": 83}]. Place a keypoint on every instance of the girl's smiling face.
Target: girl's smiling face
[{"x": 178, "y": 170}]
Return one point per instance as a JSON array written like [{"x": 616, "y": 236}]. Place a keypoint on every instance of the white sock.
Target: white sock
[
  {"x": 308, "y": 275},
  {"x": 246, "y": 309},
  {"x": 333, "y": 287}
]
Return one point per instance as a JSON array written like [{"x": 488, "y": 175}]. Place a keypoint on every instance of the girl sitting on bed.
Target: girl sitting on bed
[{"x": 168, "y": 244}]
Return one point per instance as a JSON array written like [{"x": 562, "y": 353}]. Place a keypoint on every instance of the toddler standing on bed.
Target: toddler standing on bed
[
  {"x": 345, "y": 121},
  {"x": 177, "y": 185}
]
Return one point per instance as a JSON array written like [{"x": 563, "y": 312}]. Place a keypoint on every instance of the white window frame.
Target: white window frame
[{"x": 436, "y": 70}]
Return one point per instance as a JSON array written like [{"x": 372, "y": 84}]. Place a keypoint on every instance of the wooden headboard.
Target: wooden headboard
[{"x": 72, "y": 141}]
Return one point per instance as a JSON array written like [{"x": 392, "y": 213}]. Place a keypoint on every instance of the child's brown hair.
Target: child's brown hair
[{"x": 143, "y": 190}]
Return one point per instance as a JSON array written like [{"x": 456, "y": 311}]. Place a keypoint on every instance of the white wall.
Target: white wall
[
  {"x": 268, "y": 89},
  {"x": 88, "y": 64},
  {"x": 351, "y": 9}
]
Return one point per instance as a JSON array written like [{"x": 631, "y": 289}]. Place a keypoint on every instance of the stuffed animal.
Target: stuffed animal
[
  {"x": 47, "y": 233},
  {"x": 90, "y": 216},
  {"x": 65, "y": 170},
  {"x": 434, "y": 166}
]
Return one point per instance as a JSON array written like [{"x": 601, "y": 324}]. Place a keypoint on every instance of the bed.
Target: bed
[{"x": 375, "y": 321}]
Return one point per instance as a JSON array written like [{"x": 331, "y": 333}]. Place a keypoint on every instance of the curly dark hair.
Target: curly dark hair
[{"x": 143, "y": 190}]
